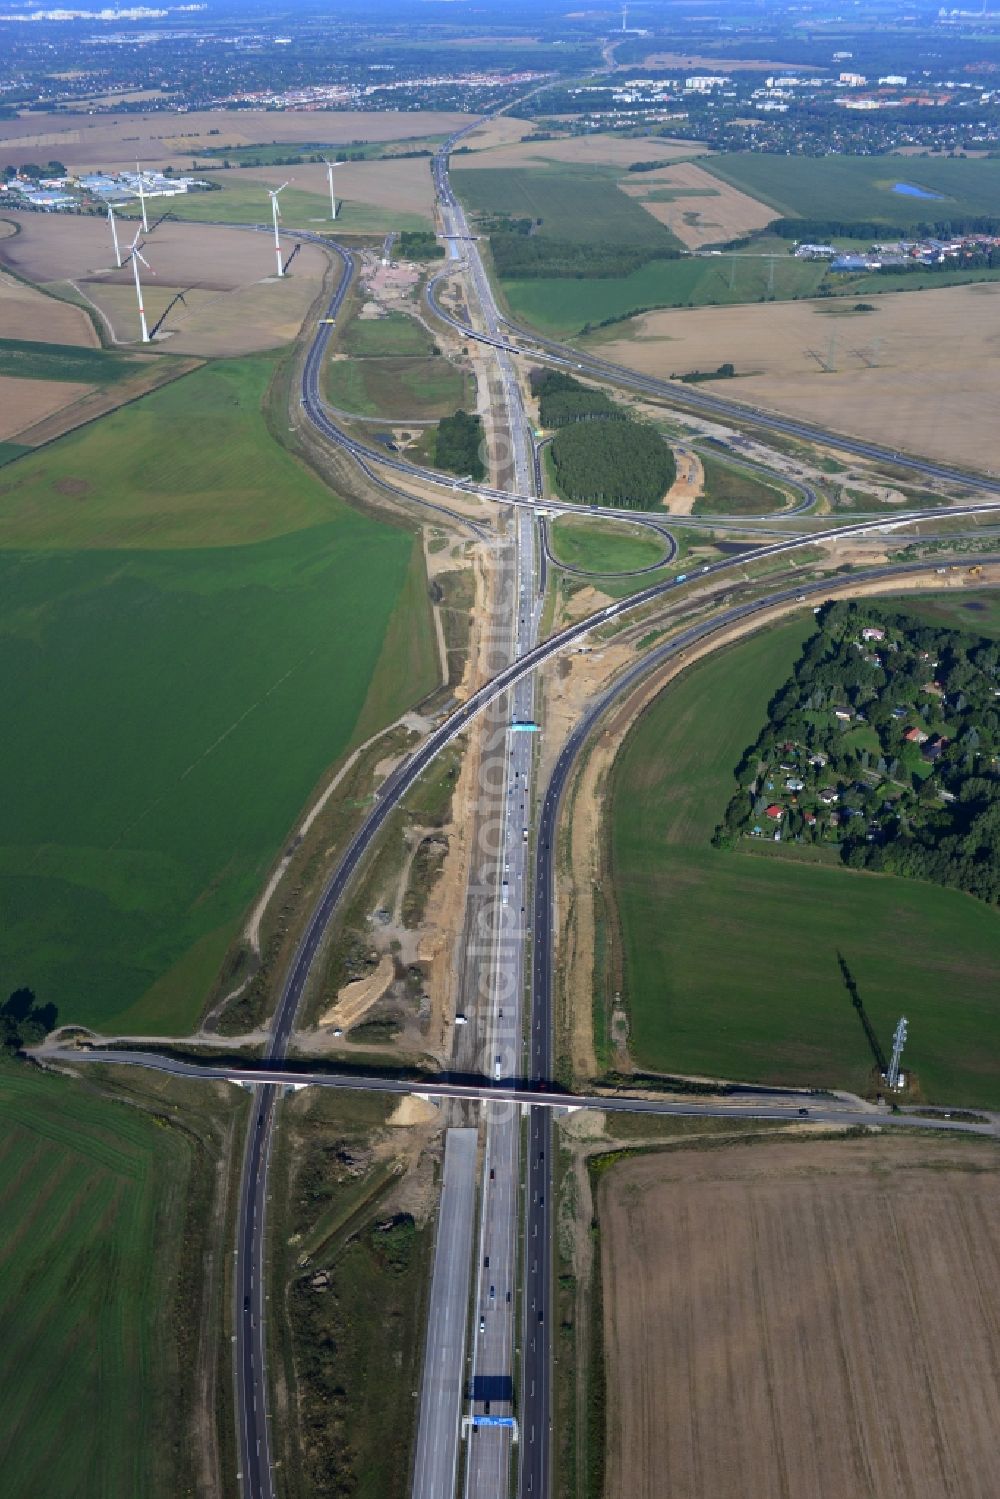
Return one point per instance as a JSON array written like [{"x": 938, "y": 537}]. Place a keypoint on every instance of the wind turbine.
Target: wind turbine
[
  {"x": 329, "y": 177},
  {"x": 273, "y": 195},
  {"x": 114, "y": 236},
  {"x": 137, "y": 255},
  {"x": 142, "y": 200}
]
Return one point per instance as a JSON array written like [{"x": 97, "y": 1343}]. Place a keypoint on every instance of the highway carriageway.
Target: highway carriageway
[{"x": 789, "y": 1108}]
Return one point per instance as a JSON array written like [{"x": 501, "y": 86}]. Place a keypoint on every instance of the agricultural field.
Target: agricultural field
[
  {"x": 564, "y": 307},
  {"x": 173, "y": 636},
  {"x": 495, "y": 151},
  {"x": 109, "y": 141},
  {"x": 230, "y": 301},
  {"x": 416, "y": 388},
  {"x": 861, "y": 187},
  {"x": 579, "y": 205},
  {"x": 731, "y": 961},
  {"x": 802, "y": 1317},
  {"x": 864, "y": 375},
  {"x": 28, "y": 314},
  {"x": 372, "y": 196},
  {"x": 601, "y": 547},
  {"x": 94, "y": 1195},
  {"x": 697, "y": 208}
]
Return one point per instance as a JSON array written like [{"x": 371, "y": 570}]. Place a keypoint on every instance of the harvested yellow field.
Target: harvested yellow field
[
  {"x": 24, "y": 403},
  {"x": 797, "y": 1319},
  {"x": 918, "y": 374},
  {"x": 404, "y": 186},
  {"x": 30, "y": 314},
  {"x": 701, "y": 208},
  {"x": 501, "y": 131},
  {"x": 589, "y": 150},
  {"x": 90, "y": 141},
  {"x": 232, "y": 304}
]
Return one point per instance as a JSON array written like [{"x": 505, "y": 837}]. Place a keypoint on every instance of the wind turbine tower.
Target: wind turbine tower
[
  {"x": 137, "y": 255},
  {"x": 142, "y": 201},
  {"x": 275, "y": 215},
  {"x": 329, "y": 177},
  {"x": 114, "y": 236},
  {"x": 898, "y": 1042},
  {"x": 624, "y": 18}
]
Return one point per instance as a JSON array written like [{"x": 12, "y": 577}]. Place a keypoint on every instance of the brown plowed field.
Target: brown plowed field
[
  {"x": 804, "y": 1321},
  {"x": 24, "y": 403},
  {"x": 697, "y": 219},
  {"x": 929, "y": 391},
  {"x": 233, "y": 304},
  {"x": 106, "y": 141},
  {"x": 588, "y": 150},
  {"x": 404, "y": 186},
  {"x": 27, "y": 313}
]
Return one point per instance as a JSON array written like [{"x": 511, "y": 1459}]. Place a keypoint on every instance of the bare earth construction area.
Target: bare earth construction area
[
  {"x": 916, "y": 373},
  {"x": 803, "y": 1319}
]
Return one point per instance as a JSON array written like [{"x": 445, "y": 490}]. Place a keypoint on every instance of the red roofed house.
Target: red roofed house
[
  {"x": 775, "y": 811},
  {"x": 915, "y": 736}
]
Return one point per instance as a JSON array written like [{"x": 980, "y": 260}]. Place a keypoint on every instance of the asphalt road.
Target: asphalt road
[
  {"x": 746, "y": 1103},
  {"x": 436, "y": 1461}
]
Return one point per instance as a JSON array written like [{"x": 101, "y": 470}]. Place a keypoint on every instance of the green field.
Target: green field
[
  {"x": 731, "y": 965},
  {"x": 564, "y": 306},
  {"x": 730, "y": 490},
  {"x": 243, "y": 201},
  {"x": 11, "y": 450},
  {"x": 416, "y": 388},
  {"x": 601, "y": 547},
  {"x": 174, "y": 616},
  {"x": 573, "y": 204},
  {"x": 395, "y": 335},
  {"x": 93, "y": 1196},
  {"x": 860, "y": 187},
  {"x": 41, "y": 361}
]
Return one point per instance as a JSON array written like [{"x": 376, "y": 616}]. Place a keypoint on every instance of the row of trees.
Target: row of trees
[
  {"x": 622, "y": 463},
  {"x": 870, "y": 229},
  {"x": 458, "y": 445},
  {"x": 33, "y": 170}
]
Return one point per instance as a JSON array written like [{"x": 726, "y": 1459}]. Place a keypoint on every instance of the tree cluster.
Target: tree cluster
[
  {"x": 420, "y": 244},
  {"x": 888, "y": 748},
  {"x": 458, "y": 445},
  {"x": 23, "y": 1022},
  {"x": 562, "y": 400},
  {"x": 621, "y": 463}
]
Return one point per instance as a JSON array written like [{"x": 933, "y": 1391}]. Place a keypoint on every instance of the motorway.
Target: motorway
[
  {"x": 436, "y": 1462},
  {"x": 494, "y": 981},
  {"x": 486, "y": 1472}
]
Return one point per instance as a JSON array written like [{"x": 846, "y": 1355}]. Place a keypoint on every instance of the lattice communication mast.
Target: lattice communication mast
[{"x": 898, "y": 1042}]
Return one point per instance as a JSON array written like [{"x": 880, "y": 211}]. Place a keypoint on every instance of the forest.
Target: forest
[
  {"x": 621, "y": 463},
  {"x": 562, "y": 400},
  {"x": 885, "y": 746},
  {"x": 457, "y": 445}
]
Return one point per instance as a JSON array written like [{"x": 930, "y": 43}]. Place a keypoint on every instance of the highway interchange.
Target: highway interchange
[{"x": 497, "y": 1022}]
